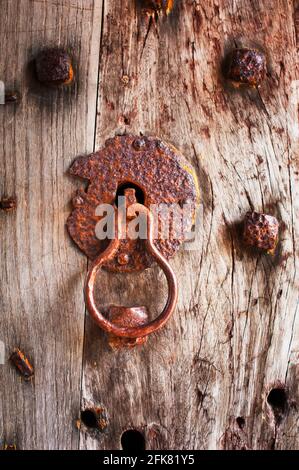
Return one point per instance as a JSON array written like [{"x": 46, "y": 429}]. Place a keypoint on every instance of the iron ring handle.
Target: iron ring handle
[{"x": 109, "y": 253}]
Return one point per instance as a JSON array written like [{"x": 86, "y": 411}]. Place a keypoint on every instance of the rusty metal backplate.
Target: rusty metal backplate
[{"x": 157, "y": 169}]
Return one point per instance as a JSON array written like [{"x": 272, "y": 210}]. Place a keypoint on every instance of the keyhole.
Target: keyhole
[{"x": 138, "y": 192}]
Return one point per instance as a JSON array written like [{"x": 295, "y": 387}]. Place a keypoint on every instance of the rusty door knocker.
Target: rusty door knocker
[{"x": 149, "y": 175}]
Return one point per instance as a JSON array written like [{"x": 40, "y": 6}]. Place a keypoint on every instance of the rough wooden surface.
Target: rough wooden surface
[
  {"x": 234, "y": 336},
  {"x": 42, "y": 307}
]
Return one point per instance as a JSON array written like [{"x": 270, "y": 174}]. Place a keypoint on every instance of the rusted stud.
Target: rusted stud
[
  {"x": 8, "y": 204},
  {"x": 123, "y": 259},
  {"x": 261, "y": 231},
  {"x": 54, "y": 67},
  {"x": 139, "y": 144},
  {"x": 125, "y": 79},
  {"x": 168, "y": 6},
  {"x": 78, "y": 199},
  {"x": 78, "y": 424},
  {"x": 22, "y": 364},
  {"x": 10, "y": 447},
  {"x": 246, "y": 67},
  {"x": 159, "y": 6}
]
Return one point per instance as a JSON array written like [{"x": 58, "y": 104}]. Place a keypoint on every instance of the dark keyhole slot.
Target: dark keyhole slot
[
  {"x": 89, "y": 418},
  {"x": 277, "y": 399},
  {"x": 132, "y": 440},
  {"x": 138, "y": 192}
]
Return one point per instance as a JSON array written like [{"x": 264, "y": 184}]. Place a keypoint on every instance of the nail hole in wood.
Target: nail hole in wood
[
  {"x": 278, "y": 401},
  {"x": 88, "y": 417},
  {"x": 277, "y": 398},
  {"x": 240, "y": 422},
  {"x": 132, "y": 440}
]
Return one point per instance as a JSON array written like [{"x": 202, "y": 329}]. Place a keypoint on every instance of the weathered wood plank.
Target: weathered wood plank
[
  {"x": 235, "y": 332},
  {"x": 42, "y": 308}
]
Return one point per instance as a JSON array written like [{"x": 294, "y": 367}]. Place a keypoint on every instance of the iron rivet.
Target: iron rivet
[{"x": 139, "y": 144}]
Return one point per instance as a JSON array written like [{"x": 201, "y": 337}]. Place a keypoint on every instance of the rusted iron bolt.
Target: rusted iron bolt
[
  {"x": 123, "y": 259},
  {"x": 78, "y": 199},
  {"x": 8, "y": 204},
  {"x": 261, "y": 231},
  {"x": 139, "y": 144},
  {"x": 10, "y": 447},
  {"x": 22, "y": 364},
  {"x": 246, "y": 67},
  {"x": 159, "y": 6},
  {"x": 54, "y": 67},
  {"x": 12, "y": 97}
]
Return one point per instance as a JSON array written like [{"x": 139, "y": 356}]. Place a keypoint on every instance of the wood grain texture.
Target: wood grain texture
[
  {"x": 234, "y": 335},
  {"x": 42, "y": 307}
]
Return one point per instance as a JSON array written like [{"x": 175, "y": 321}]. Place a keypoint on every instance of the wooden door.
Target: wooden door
[{"x": 223, "y": 374}]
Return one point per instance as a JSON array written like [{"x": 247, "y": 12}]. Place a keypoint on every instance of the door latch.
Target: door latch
[{"x": 155, "y": 185}]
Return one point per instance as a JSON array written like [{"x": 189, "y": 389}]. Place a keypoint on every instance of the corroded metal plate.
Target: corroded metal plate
[{"x": 161, "y": 174}]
